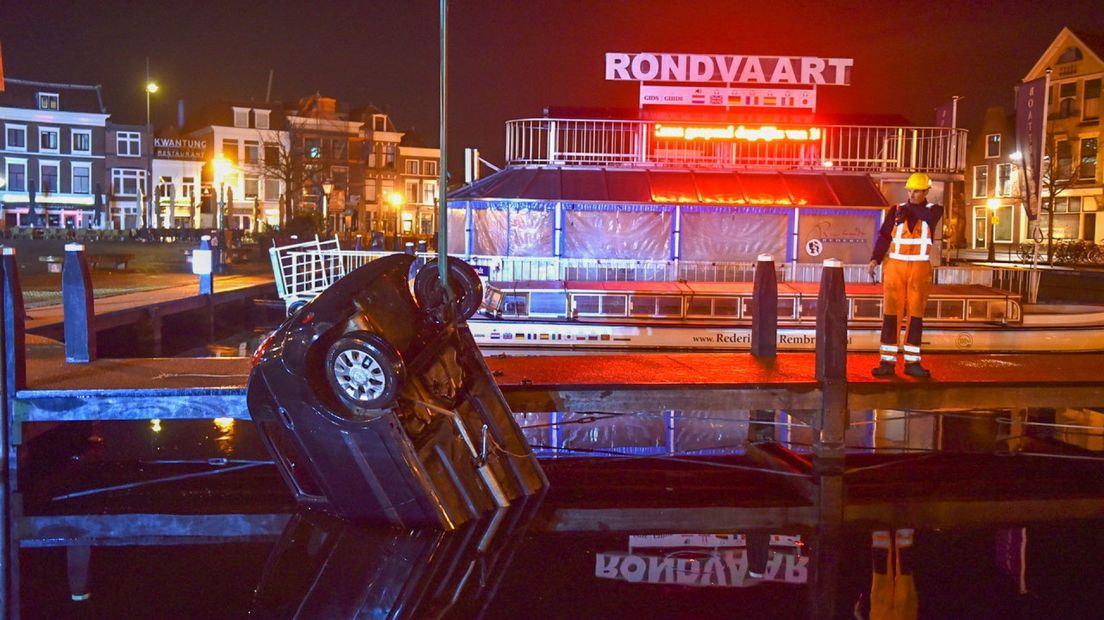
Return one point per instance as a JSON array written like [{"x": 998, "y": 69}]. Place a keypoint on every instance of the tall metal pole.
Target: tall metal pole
[{"x": 442, "y": 180}]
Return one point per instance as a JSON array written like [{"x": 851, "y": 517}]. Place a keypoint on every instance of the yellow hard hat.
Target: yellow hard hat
[{"x": 918, "y": 180}]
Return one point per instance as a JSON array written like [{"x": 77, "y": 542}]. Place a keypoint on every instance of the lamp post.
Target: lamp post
[
  {"x": 396, "y": 200},
  {"x": 992, "y": 204},
  {"x": 151, "y": 87},
  {"x": 327, "y": 187}
]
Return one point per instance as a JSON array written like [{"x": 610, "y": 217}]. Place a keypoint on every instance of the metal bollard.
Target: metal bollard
[
  {"x": 764, "y": 304},
  {"x": 77, "y": 305},
  {"x": 14, "y": 330},
  {"x": 831, "y": 325},
  {"x": 359, "y": 245},
  {"x": 409, "y": 247},
  {"x": 201, "y": 265}
]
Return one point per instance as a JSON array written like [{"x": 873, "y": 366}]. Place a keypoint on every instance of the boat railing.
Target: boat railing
[{"x": 305, "y": 269}]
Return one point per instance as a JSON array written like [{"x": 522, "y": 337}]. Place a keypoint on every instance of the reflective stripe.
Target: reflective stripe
[
  {"x": 912, "y": 358},
  {"x": 911, "y": 348},
  {"x": 889, "y": 358},
  {"x": 923, "y": 241},
  {"x": 889, "y": 348}
]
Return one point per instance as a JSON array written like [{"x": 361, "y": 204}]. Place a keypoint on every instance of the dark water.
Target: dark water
[{"x": 944, "y": 516}]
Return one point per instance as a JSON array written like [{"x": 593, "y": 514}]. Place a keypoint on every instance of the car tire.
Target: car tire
[
  {"x": 364, "y": 371},
  {"x": 463, "y": 280}
]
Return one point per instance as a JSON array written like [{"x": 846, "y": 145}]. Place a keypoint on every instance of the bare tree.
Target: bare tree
[
  {"x": 285, "y": 161},
  {"x": 1057, "y": 178}
]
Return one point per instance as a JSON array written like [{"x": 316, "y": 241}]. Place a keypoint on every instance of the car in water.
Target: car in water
[{"x": 376, "y": 404}]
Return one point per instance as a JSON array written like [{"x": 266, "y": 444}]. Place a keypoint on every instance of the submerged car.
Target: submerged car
[{"x": 376, "y": 404}]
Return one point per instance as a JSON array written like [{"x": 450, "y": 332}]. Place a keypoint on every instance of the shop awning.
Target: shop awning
[{"x": 666, "y": 186}]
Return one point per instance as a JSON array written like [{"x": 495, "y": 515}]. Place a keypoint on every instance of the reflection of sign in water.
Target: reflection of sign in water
[{"x": 702, "y": 560}]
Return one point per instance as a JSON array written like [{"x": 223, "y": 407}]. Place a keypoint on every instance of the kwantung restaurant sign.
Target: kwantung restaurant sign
[
  {"x": 728, "y": 69},
  {"x": 180, "y": 148}
]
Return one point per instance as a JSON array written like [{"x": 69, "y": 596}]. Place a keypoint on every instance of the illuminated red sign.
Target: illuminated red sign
[{"x": 748, "y": 134}]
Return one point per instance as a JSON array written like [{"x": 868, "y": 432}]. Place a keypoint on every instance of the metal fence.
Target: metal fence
[{"x": 551, "y": 141}]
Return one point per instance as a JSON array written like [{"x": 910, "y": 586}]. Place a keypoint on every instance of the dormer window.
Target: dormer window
[
  {"x": 47, "y": 101},
  {"x": 260, "y": 118},
  {"x": 241, "y": 117},
  {"x": 379, "y": 122}
]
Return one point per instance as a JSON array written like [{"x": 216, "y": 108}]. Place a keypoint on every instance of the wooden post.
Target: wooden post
[
  {"x": 77, "y": 306},
  {"x": 831, "y": 361},
  {"x": 764, "y": 303}
]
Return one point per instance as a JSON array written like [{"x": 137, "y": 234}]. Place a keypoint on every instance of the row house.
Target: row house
[
  {"x": 1073, "y": 186},
  {"x": 328, "y": 147},
  {"x": 420, "y": 177},
  {"x": 52, "y": 143},
  {"x": 127, "y": 159},
  {"x": 248, "y": 141}
]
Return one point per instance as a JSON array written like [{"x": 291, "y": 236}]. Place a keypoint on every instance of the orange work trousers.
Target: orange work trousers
[{"x": 906, "y": 287}]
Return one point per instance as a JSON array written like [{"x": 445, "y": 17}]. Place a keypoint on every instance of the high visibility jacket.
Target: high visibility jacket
[{"x": 911, "y": 244}]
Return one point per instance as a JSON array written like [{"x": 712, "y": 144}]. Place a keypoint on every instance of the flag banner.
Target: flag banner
[
  {"x": 798, "y": 98},
  {"x": 945, "y": 114},
  {"x": 1, "y": 68},
  {"x": 1031, "y": 139}
]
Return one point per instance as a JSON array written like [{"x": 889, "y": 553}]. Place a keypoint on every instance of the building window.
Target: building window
[
  {"x": 992, "y": 145},
  {"x": 1087, "y": 171},
  {"x": 1005, "y": 180},
  {"x": 260, "y": 118},
  {"x": 370, "y": 193},
  {"x": 312, "y": 147},
  {"x": 127, "y": 181},
  {"x": 82, "y": 178},
  {"x": 271, "y": 189},
  {"x": 271, "y": 154},
  {"x": 252, "y": 152},
  {"x": 429, "y": 192},
  {"x": 1067, "y": 97},
  {"x": 48, "y": 139},
  {"x": 48, "y": 174},
  {"x": 16, "y": 172},
  {"x": 412, "y": 192},
  {"x": 16, "y": 137},
  {"x": 339, "y": 149},
  {"x": 981, "y": 181},
  {"x": 187, "y": 188},
  {"x": 82, "y": 140},
  {"x": 241, "y": 117},
  {"x": 379, "y": 122},
  {"x": 128, "y": 144},
  {"x": 340, "y": 176},
  {"x": 412, "y": 166},
  {"x": 389, "y": 151},
  {"x": 429, "y": 168},
  {"x": 1064, "y": 150},
  {"x": 47, "y": 101},
  {"x": 1090, "y": 111},
  {"x": 230, "y": 149},
  {"x": 252, "y": 186}
]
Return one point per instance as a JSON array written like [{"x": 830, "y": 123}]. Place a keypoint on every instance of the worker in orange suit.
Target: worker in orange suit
[
  {"x": 893, "y": 589},
  {"x": 904, "y": 242}
]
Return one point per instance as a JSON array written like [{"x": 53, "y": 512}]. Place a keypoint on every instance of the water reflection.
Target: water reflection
[{"x": 933, "y": 514}]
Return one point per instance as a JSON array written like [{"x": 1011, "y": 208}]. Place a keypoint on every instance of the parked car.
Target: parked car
[{"x": 376, "y": 404}]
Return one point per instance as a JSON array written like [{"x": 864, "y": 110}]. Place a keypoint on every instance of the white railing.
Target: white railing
[
  {"x": 303, "y": 270},
  {"x": 583, "y": 142}
]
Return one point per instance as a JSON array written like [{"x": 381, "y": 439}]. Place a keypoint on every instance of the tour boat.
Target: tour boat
[{"x": 716, "y": 316}]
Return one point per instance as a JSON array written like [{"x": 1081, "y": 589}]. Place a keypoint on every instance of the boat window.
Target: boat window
[
  {"x": 552, "y": 303},
  {"x": 585, "y": 304},
  {"x": 699, "y": 306},
  {"x": 642, "y": 305},
  {"x": 931, "y": 309},
  {"x": 669, "y": 306},
  {"x": 728, "y": 307},
  {"x": 787, "y": 307},
  {"x": 977, "y": 310},
  {"x": 515, "y": 304},
  {"x": 997, "y": 309},
  {"x": 808, "y": 308},
  {"x": 1014, "y": 311},
  {"x": 951, "y": 309},
  {"x": 613, "y": 305},
  {"x": 867, "y": 308},
  {"x": 651, "y": 305}
]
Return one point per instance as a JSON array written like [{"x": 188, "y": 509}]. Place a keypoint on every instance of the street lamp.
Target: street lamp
[
  {"x": 396, "y": 199},
  {"x": 221, "y": 167},
  {"x": 151, "y": 87},
  {"x": 993, "y": 204},
  {"x": 327, "y": 187}
]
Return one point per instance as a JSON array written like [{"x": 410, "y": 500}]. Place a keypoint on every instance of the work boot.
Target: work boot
[
  {"x": 884, "y": 369},
  {"x": 914, "y": 369}
]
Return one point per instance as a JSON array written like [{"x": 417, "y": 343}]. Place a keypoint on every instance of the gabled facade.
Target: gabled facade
[
  {"x": 383, "y": 198},
  {"x": 419, "y": 168},
  {"x": 328, "y": 145},
  {"x": 52, "y": 139},
  {"x": 994, "y": 199},
  {"x": 1074, "y": 127}
]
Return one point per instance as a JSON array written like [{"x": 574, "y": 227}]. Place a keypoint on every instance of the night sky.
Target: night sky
[{"x": 510, "y": 59}]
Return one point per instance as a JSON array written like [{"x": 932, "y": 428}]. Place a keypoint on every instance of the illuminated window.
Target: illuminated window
[
  {"x": 981, "y": 181},
  {"x": 16, "y": 137},
  {"x": 1087, "y": 172},
  {"x": 1005, "y": 180},
  {"x": 82, "y": 140},
  {"x": 241, "y": 117},
  {"x": 260, "y": 118},
  {"x": 992, "y": 145},
  {"x": 412, "y": 191},
  {"x": 412, "y": 166},
  {"x": 47, "y": 101},
  {"x": 312, "y": 147},
  {"x": 48, "y": 139},
  {"x": 128, "y": 144},
  {"x": 230, "y": 149},
  {"x": 429, "y": 192},
  {"x": 187, "y": 188},
  {"x": 1090, "y": 110},
  {"x": 370, "y": 190},
  {"x": 127, "y": 181},
  {"x": 429, "y": 168},
  {"x": 252, "y": 186}
]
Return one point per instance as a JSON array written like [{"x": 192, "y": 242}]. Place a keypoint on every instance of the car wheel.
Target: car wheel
[
  {"x": 463, "y": 280},
  {"x": 365, "y": 371}
]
